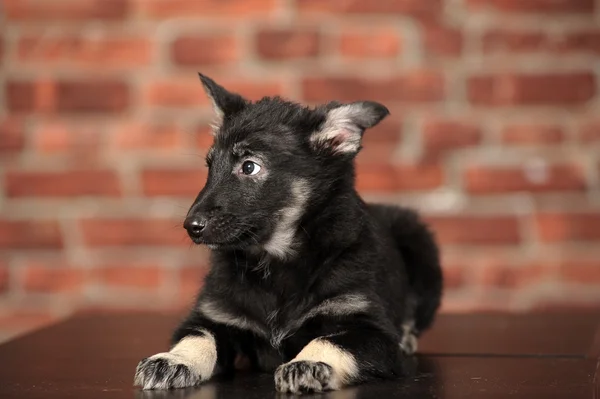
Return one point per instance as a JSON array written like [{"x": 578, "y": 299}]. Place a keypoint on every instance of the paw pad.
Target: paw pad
[
  {"x": 165, "y": 371},
  {"x": 303, "y": 377}
]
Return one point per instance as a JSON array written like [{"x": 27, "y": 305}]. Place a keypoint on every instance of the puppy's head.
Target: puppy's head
[{"x": 269, "y": 162}]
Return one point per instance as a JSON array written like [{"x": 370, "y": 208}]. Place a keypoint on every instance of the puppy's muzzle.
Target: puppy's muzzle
[{"x": 195, "y": 225}]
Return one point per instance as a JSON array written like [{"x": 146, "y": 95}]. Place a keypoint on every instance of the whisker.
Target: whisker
[{"x": 306, "y": 232}]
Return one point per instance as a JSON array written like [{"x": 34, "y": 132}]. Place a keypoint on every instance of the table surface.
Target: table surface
[{"x": 464, "y": 356}]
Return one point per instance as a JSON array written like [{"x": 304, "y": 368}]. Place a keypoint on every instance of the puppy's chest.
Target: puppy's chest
[
  {"x": 279, "y": 318},
  {"x": 272, "y": 317},
  {"x": 272, "y": 306}
]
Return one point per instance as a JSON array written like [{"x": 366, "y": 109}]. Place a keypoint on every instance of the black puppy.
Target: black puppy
[{"x": 306, "y": 278}]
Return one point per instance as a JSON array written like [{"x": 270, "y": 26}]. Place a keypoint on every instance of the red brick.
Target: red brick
[
  {"x": 536, "y": 6},
  {"x": 442, "y": 40},
  {"x": 20, "y": 96},
  {"x": 92, "y": 96},
  {"x": 52, "y": 137},
  {"x": 375, "y": 154},
  {"x": 388, "y": 132},
  {"x": 189, "y": 93},
  {"x": 65, "y": 10},
  {"x": 176, "y": 94},
  {"x": 476, "y": 230},
  {"x": 419, "y": 177},
  {"x": 440, "y": 136},
  {"x": 375, "y": 43},
  {"x": 454, "y": 276},
  {"x": 528, "y": 89},
  {"x": 419, "y": 86},
  {"x": 557, "y": 227},
  {"x": 590, "y": 132},
  {"x": 4, "y": 277},
  {"x": 208, "y": 8},
  {"x": 77, "y": 142},
  {"x": 375, "y": 178},
  {"x": 101, "y": 53},
  {"x": 513, "y": 276},
  {"x": 21, "y": 320},
  {"x": 567, "y": 303},
  {"x": 147, "y": 136},
  {"x": 505, "y": 40},
  {"x": 418, "y": 8},
  {"x": 12, "y": 135},
  {"x": 191, "y": 279},
  {"x": 37, "y": 234},
  {"x": 584, "y": 41},
  {"x": 53, "y": 279},
  {"x": 580, "y": 271},
  {"x": 390, "y": 178},
  {"x": 380, "y": 143},
  {"x": 527, "y": 41},
  {"x": 532, "y": 134},
  {"x": 175, "y": 182},
  {"x": 281, "y": 44},
  {"x": 490, "y": 180},
  {"x": 479, "y": 302},
  {"x": 253, "y": 90},
  {"x": 62, "y": 184},
  {"x": 27, "y": 96},
  {"x": 138, "y": 276},
  {"x": 204, "y": 137},
  {"x": 193, "y": 50},
  {"x": 133, "y": 232}
]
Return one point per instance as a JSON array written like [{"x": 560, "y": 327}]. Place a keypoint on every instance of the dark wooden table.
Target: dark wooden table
[{"x": 465, "y": 356}]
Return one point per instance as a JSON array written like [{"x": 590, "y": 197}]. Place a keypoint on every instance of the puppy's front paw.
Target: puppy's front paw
[
  {"x": 303, "y": 377},
  {"x": 409, "y": 343},
  {"x": 166, "y": 371}
]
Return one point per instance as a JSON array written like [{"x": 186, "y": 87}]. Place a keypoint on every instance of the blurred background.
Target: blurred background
[{"x": 494, "y": 135}]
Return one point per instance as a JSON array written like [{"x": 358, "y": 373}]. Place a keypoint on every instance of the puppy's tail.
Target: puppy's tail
[{"x": 422, "y": 261}]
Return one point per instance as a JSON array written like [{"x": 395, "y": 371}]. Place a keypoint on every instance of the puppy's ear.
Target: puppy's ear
[
  {"x": 345, "y": 124},
  {"x": 224, "y": 102}
]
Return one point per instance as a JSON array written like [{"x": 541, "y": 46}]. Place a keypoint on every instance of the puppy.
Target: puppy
[{"x": 306, "y": 279}]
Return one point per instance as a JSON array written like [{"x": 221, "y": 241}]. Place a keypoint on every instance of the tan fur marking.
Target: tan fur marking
[
  {"x": 281, "y": 243},
  {"x": 342, "y": 362},
  {"x": 214, "y": 312},
  {"x": 200, "y": 352}
]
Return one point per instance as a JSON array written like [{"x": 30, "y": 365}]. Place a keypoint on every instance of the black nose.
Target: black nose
[{"x": 194, "y": 226}]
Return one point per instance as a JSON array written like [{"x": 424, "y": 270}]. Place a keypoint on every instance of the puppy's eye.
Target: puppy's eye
[{"x": 250, "y": 168}]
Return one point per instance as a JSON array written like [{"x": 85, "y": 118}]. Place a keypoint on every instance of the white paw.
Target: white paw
[
  {"x": 166, "y": 371},
  {"x": 409, "y": 343},
  {"x": 303, "y": 377}
]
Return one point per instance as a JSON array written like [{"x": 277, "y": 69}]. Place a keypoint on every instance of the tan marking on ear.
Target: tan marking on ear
[
  {"x": 339, "y": 124},
  {"x": 214, "y": 128},
  {"x": 342, "y": 362},
  {"x": 217, "y": 122}
]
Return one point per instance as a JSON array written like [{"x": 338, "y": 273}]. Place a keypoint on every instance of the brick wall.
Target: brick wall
[{"x": 494, "y": 135}]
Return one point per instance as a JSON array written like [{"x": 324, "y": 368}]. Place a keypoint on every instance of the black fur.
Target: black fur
[{"x": 363, "y": 277}]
